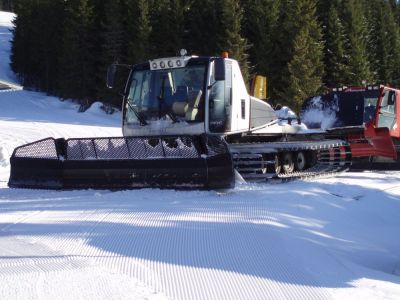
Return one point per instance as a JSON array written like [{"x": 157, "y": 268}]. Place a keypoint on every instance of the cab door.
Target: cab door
[
  {"x": 240, "y": 101},
  {"x": 220, "y": 97}
]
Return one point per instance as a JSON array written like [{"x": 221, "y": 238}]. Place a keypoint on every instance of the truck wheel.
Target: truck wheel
[
  {"x": 287, "y": 163},
  {"x": 277, "y": 165},
  {"x": 300, "y": 162},
  {"x": 312, "y": 158}
]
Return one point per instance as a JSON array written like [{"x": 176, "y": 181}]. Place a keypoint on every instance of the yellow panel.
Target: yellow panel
[{"x": 259, "y": 89}]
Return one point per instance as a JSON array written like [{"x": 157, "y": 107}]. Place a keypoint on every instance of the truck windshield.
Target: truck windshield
[{"x": 177, "y": 94}]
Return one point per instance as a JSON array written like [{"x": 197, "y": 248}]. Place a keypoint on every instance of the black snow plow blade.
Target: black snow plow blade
[{"x": 202, "y": 162}]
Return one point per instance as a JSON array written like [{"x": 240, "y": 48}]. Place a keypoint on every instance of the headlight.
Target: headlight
[
  {"x": 170, "y": 64},
  {"x": 162, "y": 65},
  {"x": 154, "y": 65}
]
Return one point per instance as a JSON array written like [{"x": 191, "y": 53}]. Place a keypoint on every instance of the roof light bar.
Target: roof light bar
[{"x": 169, "y": 63}]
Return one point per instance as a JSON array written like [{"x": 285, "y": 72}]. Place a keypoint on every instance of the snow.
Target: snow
[
  {"x": 334, "y": 238},
  {"x": 285, "y": 113},
  {"x": 5, "y": 38},
  {"x": 319, "y": 116}
]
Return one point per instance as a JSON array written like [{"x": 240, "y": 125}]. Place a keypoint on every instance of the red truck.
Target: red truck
[{"x": 367, "y": 117}]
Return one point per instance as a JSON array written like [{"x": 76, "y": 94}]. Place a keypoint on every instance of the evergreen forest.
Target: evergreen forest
[{"x": 63, "y": 47}]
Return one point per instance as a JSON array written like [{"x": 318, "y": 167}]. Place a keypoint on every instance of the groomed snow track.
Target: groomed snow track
[{"x": 200, "y": 247}]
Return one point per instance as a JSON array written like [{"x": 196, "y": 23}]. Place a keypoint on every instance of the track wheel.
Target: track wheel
[
  {"x": 300, "y": 162},
  {"x": 287, "y": 163},
  {"x": 312, "y": 158},
  {"x": 278, "y": 166}
]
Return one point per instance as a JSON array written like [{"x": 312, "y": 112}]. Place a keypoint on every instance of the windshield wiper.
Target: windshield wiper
[
  {"x": 140, "y": 117},
  {"x": 161, "y": 103}
]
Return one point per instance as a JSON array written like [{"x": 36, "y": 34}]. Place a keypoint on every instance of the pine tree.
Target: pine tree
[
  {"x": 357, "y": 32},
  {"x": 7, "y": 5},
  {"x": 220, "y": 31},
  {"x": 384, "y": 41},
  {"x": 395, "y": 8},
  {"x": 230, "y": 37},
  {"x": 323, "y": 10},
  {"x": 260, "y": 23},
  {"x": 282, "y": 41},
  {"x": 202, "y": 25},
  {"x": 305, "y": 77},
  {"x": 111, "y": 41},
  {"x": 137, "y": 30},
  {"x": 335, "y": 49},
  {"x": 50, "y": 13},
  {"x": 77, "y": 63},
  {"x": 35, "y": 43},
  {"x": 393, "y": 45},
  {"x": 20, "y": 45},
  {"x": 168, "y": 19},
  {"x": 64, "y": 47},
  {"x": 372, "y": 12},
  {"x": 303, "y": 72}
]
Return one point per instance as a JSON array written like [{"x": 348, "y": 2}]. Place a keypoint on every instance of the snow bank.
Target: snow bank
[
  {"x": 5, "y": 39},
  {"x": 6, "y": 19},
  {"x": 3, "y": 157},
  {"x": 95, "y": 109},
  {"x": 95, "y": 114},
  {"x": 285, "y": 113}
]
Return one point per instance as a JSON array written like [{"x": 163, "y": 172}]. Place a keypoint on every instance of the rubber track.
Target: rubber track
[{"x": 320, "y": 169}]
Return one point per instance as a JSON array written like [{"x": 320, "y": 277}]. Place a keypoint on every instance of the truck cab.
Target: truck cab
[{"x": 190, "y": 95}]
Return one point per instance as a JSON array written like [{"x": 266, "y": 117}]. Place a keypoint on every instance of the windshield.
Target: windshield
[{"x": 177, "y": 94}]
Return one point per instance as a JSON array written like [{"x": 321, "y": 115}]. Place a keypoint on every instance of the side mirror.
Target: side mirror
[
  {"x": 219, "y": 69},
  {"x": 112, "y": 69}
]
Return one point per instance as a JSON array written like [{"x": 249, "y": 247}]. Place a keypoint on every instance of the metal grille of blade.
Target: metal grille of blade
[
  {"x": 81, "y": 149},
  {"x": 42, "y": 149},
  {"x": 180, "y": 147},
  {"x": 116, "y": 148},
  {"x": 131, "y": 148}
]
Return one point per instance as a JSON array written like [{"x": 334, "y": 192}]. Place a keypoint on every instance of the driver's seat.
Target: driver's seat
[{"x": 192, "y": 112}]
